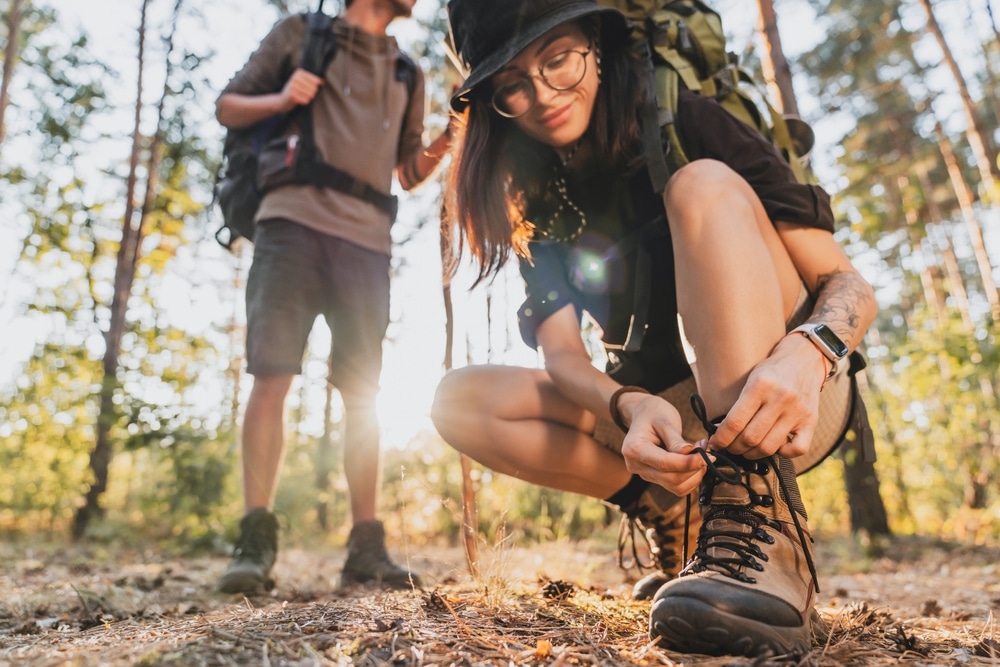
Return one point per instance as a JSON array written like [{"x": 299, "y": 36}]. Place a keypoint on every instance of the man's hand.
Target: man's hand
[
  {"x": 299, "y": 90},
  {"x": 654, "y": 448}
]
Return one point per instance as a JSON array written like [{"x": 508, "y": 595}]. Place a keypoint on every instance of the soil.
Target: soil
[{"x": 565, "y": 603}]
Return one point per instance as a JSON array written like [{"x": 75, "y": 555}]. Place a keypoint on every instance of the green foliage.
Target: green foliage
[{"x": 935, "y": 405}]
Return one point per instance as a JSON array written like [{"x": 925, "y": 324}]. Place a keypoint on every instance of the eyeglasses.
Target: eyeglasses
[{"x": 562, "y": 71}]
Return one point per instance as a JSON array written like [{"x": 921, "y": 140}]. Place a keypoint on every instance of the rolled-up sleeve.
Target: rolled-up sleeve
[
  {"x": 273, "y": 62},
  {"x": 546, "y": 284}
]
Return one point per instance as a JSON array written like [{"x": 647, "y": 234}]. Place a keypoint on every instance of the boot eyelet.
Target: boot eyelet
[{"x": 766, "y": 501}]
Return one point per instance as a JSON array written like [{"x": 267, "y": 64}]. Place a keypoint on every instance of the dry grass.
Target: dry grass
[{"x": 558, "y": 604}]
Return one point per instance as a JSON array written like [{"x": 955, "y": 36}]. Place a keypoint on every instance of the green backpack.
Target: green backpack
[{"x": 684, "y": 41}]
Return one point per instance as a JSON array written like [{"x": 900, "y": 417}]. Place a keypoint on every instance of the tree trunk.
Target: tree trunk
[
  {"x": 326, "y": 457},
  {"x": 864, "y": 499},
  {"x": 9, "y": 60},
  {"x": 910, "y": 213},
  {"x": 777, "y": 73},
  {"x": 991, "y": 94},
  {"x": 100, "y": 457},
  {"x": 470, "y": 519},
  {"x": 966, "y": 202},
  {"x": 128, "y": 257},
  {"x": 977, "y": 136},
  {"x": 868, "y": 513},
  {"x": 956, "y": 283}
]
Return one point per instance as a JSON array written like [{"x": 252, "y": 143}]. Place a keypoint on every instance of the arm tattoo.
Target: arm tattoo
[{"x": 840, "y": 297}]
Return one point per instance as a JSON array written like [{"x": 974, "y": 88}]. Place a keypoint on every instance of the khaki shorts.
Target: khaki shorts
[{"x": 834, "y": 408}]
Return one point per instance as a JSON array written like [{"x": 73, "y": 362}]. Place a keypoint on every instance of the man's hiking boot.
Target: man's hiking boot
[
  {"x": 661, "y": 518},
  {"x": 368, "y": 561},
  {"x": 254, "y": 555},
  {"x": 750, "y": 587}
]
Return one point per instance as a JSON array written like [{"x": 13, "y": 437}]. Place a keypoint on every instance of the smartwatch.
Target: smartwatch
[{"x": 827, "y": 342}]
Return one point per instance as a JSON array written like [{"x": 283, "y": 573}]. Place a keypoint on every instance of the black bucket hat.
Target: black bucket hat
[{"x": 487, "y": 34}]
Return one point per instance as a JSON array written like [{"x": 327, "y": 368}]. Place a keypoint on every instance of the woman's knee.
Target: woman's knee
[
  {"x": 701, "y": 186},
  {"x": 455, "y": 396}
]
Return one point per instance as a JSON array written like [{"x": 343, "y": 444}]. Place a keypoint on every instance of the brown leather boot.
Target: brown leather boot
[
  {"x": 254, "y": 555},
  {"x": 750, "y": 586},
  {"x": 368, "y": 561},
  {"x": 661, "y": 518},
  {"x": 666, "y": 538}
]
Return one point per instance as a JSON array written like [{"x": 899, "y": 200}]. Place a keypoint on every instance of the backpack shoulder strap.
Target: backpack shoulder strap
[
  {"x": 320, "y": 44},
  {"x": 406, "y": 70}
]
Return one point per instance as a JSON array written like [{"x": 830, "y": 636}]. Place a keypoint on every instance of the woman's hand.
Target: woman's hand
[
  {"x": 778, "y": 408},
  {"x": 654, "y": 448}
]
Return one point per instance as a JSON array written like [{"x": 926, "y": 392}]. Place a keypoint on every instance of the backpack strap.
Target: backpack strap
[
  {"x": 638, "y": 241},
  {"x": 318, "y": 49},
  {"x": 319, "y": 46},
  {"x": 650, "y": 116}
]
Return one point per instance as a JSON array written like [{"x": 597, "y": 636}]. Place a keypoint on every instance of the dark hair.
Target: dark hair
[{"x": 499, "y": 173}]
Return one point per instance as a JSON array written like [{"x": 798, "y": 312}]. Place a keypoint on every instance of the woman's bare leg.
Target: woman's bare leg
[
  {"x": 514, "y": 421},
  {"x": 736, "y": 284}
]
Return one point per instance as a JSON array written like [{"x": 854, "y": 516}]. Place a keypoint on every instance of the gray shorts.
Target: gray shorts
[
  {"x": 834, "y": 408},
  {"x": 299, "y": 273}
]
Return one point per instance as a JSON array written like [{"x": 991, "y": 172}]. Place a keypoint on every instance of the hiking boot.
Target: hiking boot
[
  {"x": 661, "y": 517},
  {"x": 750, "y": 587},
  {"x": 367, "y": 559},
  {"x": 666, "y": 538},
  {"x": 254, "y": 555}
]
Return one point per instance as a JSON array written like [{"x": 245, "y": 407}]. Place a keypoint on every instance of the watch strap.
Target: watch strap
[{"x": 837, "y": 363}]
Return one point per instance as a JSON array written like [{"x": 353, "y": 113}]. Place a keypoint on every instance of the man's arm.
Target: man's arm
[
  {"x": 234, "y": 110},
  {"x": 422, "y": 163}
]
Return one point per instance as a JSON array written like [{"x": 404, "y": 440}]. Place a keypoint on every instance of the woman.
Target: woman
[{"x": 742, "y": 298}]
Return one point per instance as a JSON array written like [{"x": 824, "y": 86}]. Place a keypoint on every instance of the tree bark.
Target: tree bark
[
  {"x": 966, "y": 203},
  {"x": 326, "y": 458},
  {"x": 977, "y": 136},
  {"x": 9, "y": 60},
  {"x": 777, "y": 73},
  {"x": 128, "y": 257},
  {"x": 956, "y": 283},
  {"x": 470, "y": 519},
  {"x": 868, "y": 514}
]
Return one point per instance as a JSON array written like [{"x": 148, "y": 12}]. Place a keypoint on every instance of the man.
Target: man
[{"x": 319, "y": 250}]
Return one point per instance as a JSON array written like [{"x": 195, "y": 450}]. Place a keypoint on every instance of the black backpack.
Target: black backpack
[{"x": 261, "y": 158}]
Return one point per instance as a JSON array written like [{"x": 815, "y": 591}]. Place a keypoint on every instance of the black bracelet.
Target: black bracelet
[{"x": 616, "y": 416}]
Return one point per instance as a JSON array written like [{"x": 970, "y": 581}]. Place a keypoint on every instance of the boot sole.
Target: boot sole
[
  {"x": 347, "y": 579},
  {"x": 243, "y": 583},
  {"x": 691, "y": 626}
]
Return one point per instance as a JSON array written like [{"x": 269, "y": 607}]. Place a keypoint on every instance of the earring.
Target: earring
[{"x": 597, "y": 55}]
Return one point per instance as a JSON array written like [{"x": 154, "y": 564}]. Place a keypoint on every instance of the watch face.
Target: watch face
[{"x": 831, "y": 340}]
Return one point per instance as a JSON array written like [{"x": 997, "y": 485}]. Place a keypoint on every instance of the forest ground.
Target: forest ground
[{"x": 563, "y": 603}]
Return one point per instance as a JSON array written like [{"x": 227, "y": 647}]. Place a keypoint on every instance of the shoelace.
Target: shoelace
[
  {"x": 742, "y": 545},
  {"x": 626, "y": 537}
]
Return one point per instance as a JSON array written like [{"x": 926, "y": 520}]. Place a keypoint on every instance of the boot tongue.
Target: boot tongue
[{"x": 741, "y": 482}]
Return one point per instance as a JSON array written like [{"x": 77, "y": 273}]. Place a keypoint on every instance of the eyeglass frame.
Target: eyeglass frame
[{"x": 530, "y": 77}]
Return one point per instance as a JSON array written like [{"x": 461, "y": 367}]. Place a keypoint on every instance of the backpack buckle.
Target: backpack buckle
[{"x": 726, "y": 80}]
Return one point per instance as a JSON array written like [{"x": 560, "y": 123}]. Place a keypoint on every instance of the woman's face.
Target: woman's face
[{"x": 557, "y": 117}]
